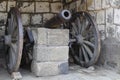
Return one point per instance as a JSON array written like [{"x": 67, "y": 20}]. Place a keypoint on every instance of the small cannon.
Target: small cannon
[{"x": 62, "y": 17}]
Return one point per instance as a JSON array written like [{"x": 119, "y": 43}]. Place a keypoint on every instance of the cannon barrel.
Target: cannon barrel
[{"x": 60, "y": 18}]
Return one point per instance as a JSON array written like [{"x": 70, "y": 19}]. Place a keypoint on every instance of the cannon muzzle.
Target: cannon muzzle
[{"x": 63, "y": 16}]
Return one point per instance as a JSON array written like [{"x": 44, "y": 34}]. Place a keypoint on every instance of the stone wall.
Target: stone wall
[
  {"x": 34, "y": 12},
  {"x": 107, "y": 16}
]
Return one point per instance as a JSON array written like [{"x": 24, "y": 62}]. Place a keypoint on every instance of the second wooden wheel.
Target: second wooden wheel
[
  {"x": 13, "y": 40},
  {"x": 84, "y": 39}
]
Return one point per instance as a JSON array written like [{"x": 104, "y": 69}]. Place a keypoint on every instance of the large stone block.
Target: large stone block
[
  {"x": 11, "y": 4},
  {"x": 58, "y": 37},
  {"x": 51, "y": 37},
  {"x": 118, "y": 33},
  {"x": 117, "y": 16},
  {"x": 105, "y": 4},
  {"x": 36, "y": 19},
  {"x": 26, "y": 6},
  {"x": 91, "y": 4},
  {"x": 42, "y": 7},
  {"x": 47, "y": 16},
  {"x": 109, "y": 16},
  {"x": 25, "y": 19},
  {"x": 110, "y": 30},
  {"x": 101, "y": 17},
  {"x": 3, "y": 5},
  {"x": 102, "y": 31},
  {"x": 49, "y": 68},
  {"x": 3, "y": 18},
  {"x": 115, "y": 3},
  {"x": 43, "y": 53},
  {"x": 98, "y": 4},
  {"x": 40, "y": 36},
  {"x": 56, "y": 7}
]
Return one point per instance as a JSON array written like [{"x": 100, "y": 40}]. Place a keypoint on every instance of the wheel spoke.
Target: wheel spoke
[
  {"x": 73, "y": 33},
  {"x": 83, "y": 25},
  {"x": 87, "y": 28},
  {"x": 12, "y": 58},
  {"x": 74, "y": 28},
  {"x": 89, "y": 43},
  {"x": 80, "y": 54},
  {"x": 88, "y": 51},
  {"x": 78, "y": 24},
  {"x": 13, "y": 47},
  {"x": 74, "y": 54},
  {"x": 85, "y": 55},
  {"x": 11, "y": 24},
  {"x": 89, "y": 36}
]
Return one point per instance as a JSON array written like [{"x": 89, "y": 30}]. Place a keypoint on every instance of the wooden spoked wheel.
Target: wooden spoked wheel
[
  {"x": 84, "y": 39},
  {"x": 13, "y": 40}
]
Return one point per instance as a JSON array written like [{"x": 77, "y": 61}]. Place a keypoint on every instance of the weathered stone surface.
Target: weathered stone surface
[
  {"x": 56, "y": 0},
  {"x": 3, "y": 18},
  {"x": 11, "y": 4},
  {"x": 115, "y": 3},
  {"x": 3, "y": 5},
  {"x": 56, "y": 7},
  {"x": 105, "y": 4},
  {"x": 94, "y": 15},
  {"x": 91, "y": 4},
  {"x": 102, "y": 31},
  {"x": 26, "y": 6},
  {"x": 79, "y": 7},
  {"x": 101, "y": 17},
  {"x": 58, "y": 37},
  {"x": 117, "y": 16},
  {"x": 109, "y": 16},
  {"x": 72, "y": 6},
  {"x": 49, "y": 68},
  {"x": 110, "y": 30},
  {"x": 118, "y": 33},
  {"x": 47, "y": 16},
  {"x": 98, "y": 4},
  {"x": 40, "y": 36},
  {"x": 25, "y": 19},
  {"x": 44, "y": 53},
  {"x": 36, "y": 19},
  {"x": 42, "y": 7},
  {"x": 110, "y": 55},
  {"x": 51, "y": 37}
]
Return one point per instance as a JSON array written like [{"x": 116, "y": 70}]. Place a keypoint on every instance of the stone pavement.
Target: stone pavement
[{"x": 75, "y": 73}]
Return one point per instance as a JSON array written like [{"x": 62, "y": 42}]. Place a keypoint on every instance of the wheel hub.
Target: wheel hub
[{"x": 80, "y": 39}]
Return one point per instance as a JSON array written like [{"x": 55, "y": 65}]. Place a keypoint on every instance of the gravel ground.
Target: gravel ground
[{"x": 75, "y": 73}]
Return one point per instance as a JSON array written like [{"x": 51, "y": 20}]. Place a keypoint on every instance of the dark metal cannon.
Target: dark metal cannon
[{"x": 62, "y": 17}]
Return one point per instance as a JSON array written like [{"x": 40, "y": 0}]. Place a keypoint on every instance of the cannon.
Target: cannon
[
  {"x": 62, "y": 17},
  {"x": 84, "y": 39}
]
